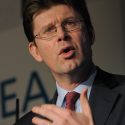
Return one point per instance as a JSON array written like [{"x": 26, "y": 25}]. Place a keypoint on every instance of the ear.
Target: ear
[{"x": 34, "y": 51}]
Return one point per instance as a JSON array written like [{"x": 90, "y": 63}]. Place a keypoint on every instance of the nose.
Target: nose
[{"x": 62, "y": 34}]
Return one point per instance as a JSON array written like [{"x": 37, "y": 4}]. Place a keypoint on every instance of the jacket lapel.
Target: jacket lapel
[
  {"x": 53, "y": 100},
  {"x": 102, "y": 99}
]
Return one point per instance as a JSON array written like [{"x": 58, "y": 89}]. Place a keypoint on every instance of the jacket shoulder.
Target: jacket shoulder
[{"x": 114, "y": 82}]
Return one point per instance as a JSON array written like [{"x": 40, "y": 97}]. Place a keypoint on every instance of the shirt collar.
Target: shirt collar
[{"x": 86, "y": 84}]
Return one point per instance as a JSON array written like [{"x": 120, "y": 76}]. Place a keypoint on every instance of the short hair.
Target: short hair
[{"x": 32, "y": 7}]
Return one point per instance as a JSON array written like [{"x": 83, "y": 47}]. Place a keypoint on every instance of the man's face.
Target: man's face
[{"x": 66, "y": 51}]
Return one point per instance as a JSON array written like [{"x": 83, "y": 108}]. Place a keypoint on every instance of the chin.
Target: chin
[{"x": 71, "y": 67}]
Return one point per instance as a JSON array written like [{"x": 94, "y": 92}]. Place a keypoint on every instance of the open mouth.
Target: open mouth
[{"x": 67, "y": 52}]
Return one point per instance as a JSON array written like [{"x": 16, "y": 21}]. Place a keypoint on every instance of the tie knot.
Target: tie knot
[{"x": 71, "y": 98}]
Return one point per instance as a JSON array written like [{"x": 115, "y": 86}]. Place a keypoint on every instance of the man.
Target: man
[{"x": 60, "y": 34}]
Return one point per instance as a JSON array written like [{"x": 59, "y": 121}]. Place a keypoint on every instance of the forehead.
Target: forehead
[{"x": 54, "y": 14}]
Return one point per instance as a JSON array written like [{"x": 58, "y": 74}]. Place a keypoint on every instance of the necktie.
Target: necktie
[{"x": 71, "y": 98}]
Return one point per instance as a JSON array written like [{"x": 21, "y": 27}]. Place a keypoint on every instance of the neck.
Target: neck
[{"x": 71, "y": 80}]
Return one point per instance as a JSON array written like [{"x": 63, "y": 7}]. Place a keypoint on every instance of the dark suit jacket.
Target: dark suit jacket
[{"x": 107, "y": 100}]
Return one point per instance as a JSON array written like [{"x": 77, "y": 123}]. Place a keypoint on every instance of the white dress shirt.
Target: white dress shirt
[{"x": 62, "y": 92}]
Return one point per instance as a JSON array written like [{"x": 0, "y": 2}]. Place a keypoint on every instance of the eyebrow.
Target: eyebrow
[
  {"x": 46, "y": 26},
  {"x": 70, "y": 18},
  {"x": 51, "y": 24}
]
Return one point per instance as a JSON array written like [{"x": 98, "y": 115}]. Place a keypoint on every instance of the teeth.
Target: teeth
[{"x": 66, "y": 50}]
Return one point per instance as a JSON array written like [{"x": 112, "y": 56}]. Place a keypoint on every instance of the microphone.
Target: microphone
[
  {"x": 17, "y": 109},
  {"x": 34, "y": 114}
]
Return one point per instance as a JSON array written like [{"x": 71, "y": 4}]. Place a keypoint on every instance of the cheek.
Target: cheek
[
  {"x": 48, "y": 54},
  {"x": 80, "y": 40},
  {"x": 82, "y": 46},
  {"x": 79, "y": 37},
  {"x": 44, "y": 51}
]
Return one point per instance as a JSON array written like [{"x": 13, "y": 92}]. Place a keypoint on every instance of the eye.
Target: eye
[
  {"x": 49, "y": 29},
  {"x": 70, "y": 23}
]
